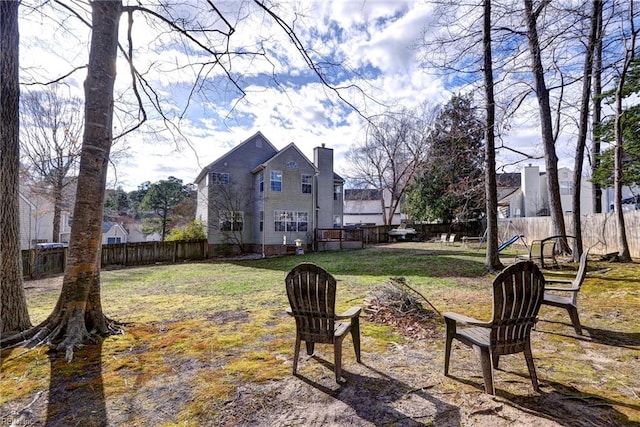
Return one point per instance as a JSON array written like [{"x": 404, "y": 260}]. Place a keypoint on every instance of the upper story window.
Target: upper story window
[
  {"x": 220, "y": 178},
  {"x": 307, "y": 182},
  {"x": 261, "y": 181},
  {"x": 276, "y": 180},
  {"x": 337, "y": 192},
  {"x": 566, "y": 188},
  {"x": 292, "y": 164}
]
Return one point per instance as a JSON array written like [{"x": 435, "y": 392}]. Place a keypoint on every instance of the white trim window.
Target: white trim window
[
  {"x": 231, "y": 221},
  {"x": 221, "y": 178},
  {"x": 261, "y": 181},
  {"x": 291, "y": 221},
  {"x": 276, "y": 181},
  {"x": 307, "y": 182}
]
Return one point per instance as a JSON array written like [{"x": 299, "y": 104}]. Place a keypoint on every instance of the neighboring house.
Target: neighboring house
[
  {"x": 263, "y": 199},
  {"x": 135, "y": 234},
  {"x": 526, "y": 194},
  {"x": 112, "y": 232},
  {"x": 36, "y": 220},
  {"x": 363, "y": 207}
]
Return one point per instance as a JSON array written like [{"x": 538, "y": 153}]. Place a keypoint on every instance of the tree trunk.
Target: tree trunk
[
  {"x": 492, "y": 260},
  {"x": 624, "y": 255},
  {"x": 597, "y": 113},
  {"x": 542, "y": 93},
  {"x": 583, "y": 129},
  {"x": 78, "y": 313},
  {"x": 13, "y": 305}
]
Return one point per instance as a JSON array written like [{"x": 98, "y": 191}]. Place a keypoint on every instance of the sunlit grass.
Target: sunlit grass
[{"x": 216, "y": 325}]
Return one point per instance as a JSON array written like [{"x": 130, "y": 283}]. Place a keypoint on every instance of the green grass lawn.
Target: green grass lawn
[{"x": 208, "y": 328}]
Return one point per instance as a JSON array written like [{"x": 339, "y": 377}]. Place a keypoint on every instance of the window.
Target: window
[
  {"x": 261, "y": 181},
  {"x": 231, "y": 221},
  {"x": 291, "y": 221},
  {"x": 337, "y": 221},
  {"x": 219, "y": 178},
  {"x": 566, "y": 188},
  {"x": 261, "y": 221},
  {"x": 292, "y": 164},
  {"x": 276, "y": 180},
  {"x": 113, "y": 240},
  {"x": 302, "y": 221},
  {"x": 280, "y": 220},
  {"x": 337, "y": 192},
  {"x": 307, "y": 181}
]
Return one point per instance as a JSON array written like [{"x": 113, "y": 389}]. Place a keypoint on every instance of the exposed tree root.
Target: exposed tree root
[{"x": 63, "y": 333}]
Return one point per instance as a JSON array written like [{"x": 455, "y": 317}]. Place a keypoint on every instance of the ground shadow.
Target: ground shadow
[
  {"x": 76, "y": 391},
  {"x": 562, "y": 404},
  {"x": 371, "y": 397},
  {"x": 630, "y": 340}
]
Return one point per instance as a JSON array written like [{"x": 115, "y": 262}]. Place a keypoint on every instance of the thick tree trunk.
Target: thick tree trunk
[
  {"x": 492, "y": 261},
  {"x": 13, "y": 306},
  {"x": 78, "y": 313},
  {"x": 79, "y": 301},
  {"x": 583, "y": 129},
  {"x": 551, "y": 158}
]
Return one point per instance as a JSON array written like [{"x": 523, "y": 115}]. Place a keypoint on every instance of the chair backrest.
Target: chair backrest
[
  {"x": 312, "y": 295},
  {"x": 452, "y": 238},
  {"x": 443, "y": 237},
  {"x": 518, "y": 292}
]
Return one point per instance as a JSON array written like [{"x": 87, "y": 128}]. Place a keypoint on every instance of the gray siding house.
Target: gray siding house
[{"x": 259, "y": 199}]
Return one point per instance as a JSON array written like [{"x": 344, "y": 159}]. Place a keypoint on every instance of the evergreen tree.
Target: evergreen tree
[{"x": 450, "y": 184}]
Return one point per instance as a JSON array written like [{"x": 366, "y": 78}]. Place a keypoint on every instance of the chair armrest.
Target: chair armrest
[
  {"x": 465, "y": 320},
  {"x": 565, "y": 281},
  {"x": 350, "y": 313},
  {"x": 551, "y": 288}
]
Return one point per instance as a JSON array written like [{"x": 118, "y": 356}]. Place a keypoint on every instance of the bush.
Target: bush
[{"x": 192, "y": 231}]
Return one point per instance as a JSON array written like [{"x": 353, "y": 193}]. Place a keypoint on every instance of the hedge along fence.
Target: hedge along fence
[
  {"x": 42, "y": 262},
  {"x": 599, "y": 231}
]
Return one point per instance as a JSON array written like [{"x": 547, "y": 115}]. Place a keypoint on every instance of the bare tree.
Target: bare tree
[
  {"x": 228, "y": 204},
  {"x": 14, "y": 316},
  {"x": 52, "y": 128},
  {"x": 583, "y": 128},
  {"x": 78, "y": 315},
  {"x": 542, "y": 92},
  {"x": 624, "y": 255},
  {"x": 394, "y": 148},
  {"x": 492, "y": 260}
]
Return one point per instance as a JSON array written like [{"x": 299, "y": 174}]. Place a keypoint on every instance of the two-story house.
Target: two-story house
[{"x": 259, "y": 199}]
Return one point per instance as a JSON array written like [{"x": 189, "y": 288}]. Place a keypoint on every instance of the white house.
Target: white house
[
  {"x": 363, "y": 207},
  {"x": 526, "y": 194},
  {"x": 36, "y": 220},
  {"x": 112, "y": 232}
]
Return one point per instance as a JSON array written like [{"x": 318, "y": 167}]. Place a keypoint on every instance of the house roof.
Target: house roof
[
  {"x": 210, "y": 166},
  {"x": 508, "y": 179},
  {"x": 362, "y": 194},
  {"x": 281, "y": 152}
]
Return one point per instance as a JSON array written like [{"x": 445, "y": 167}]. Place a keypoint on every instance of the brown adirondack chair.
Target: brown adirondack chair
[
  {"x": 570, "y": 302},
  {"x": 517, "y": 295},
  {"x": 312, "y": 294}
]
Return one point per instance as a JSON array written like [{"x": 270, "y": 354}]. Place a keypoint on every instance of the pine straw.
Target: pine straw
[{"x": 398, "y": 304}]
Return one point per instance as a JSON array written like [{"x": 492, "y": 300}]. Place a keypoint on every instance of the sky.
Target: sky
[{"x": 376, "y": 43}]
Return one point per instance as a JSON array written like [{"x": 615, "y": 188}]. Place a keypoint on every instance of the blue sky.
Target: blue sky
[{"x": 373, "y": 40}]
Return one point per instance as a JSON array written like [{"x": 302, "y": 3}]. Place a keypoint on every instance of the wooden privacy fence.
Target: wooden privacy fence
[
  {"x": 599, "y": 231},
  {"x": 42, "y": 262}
]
